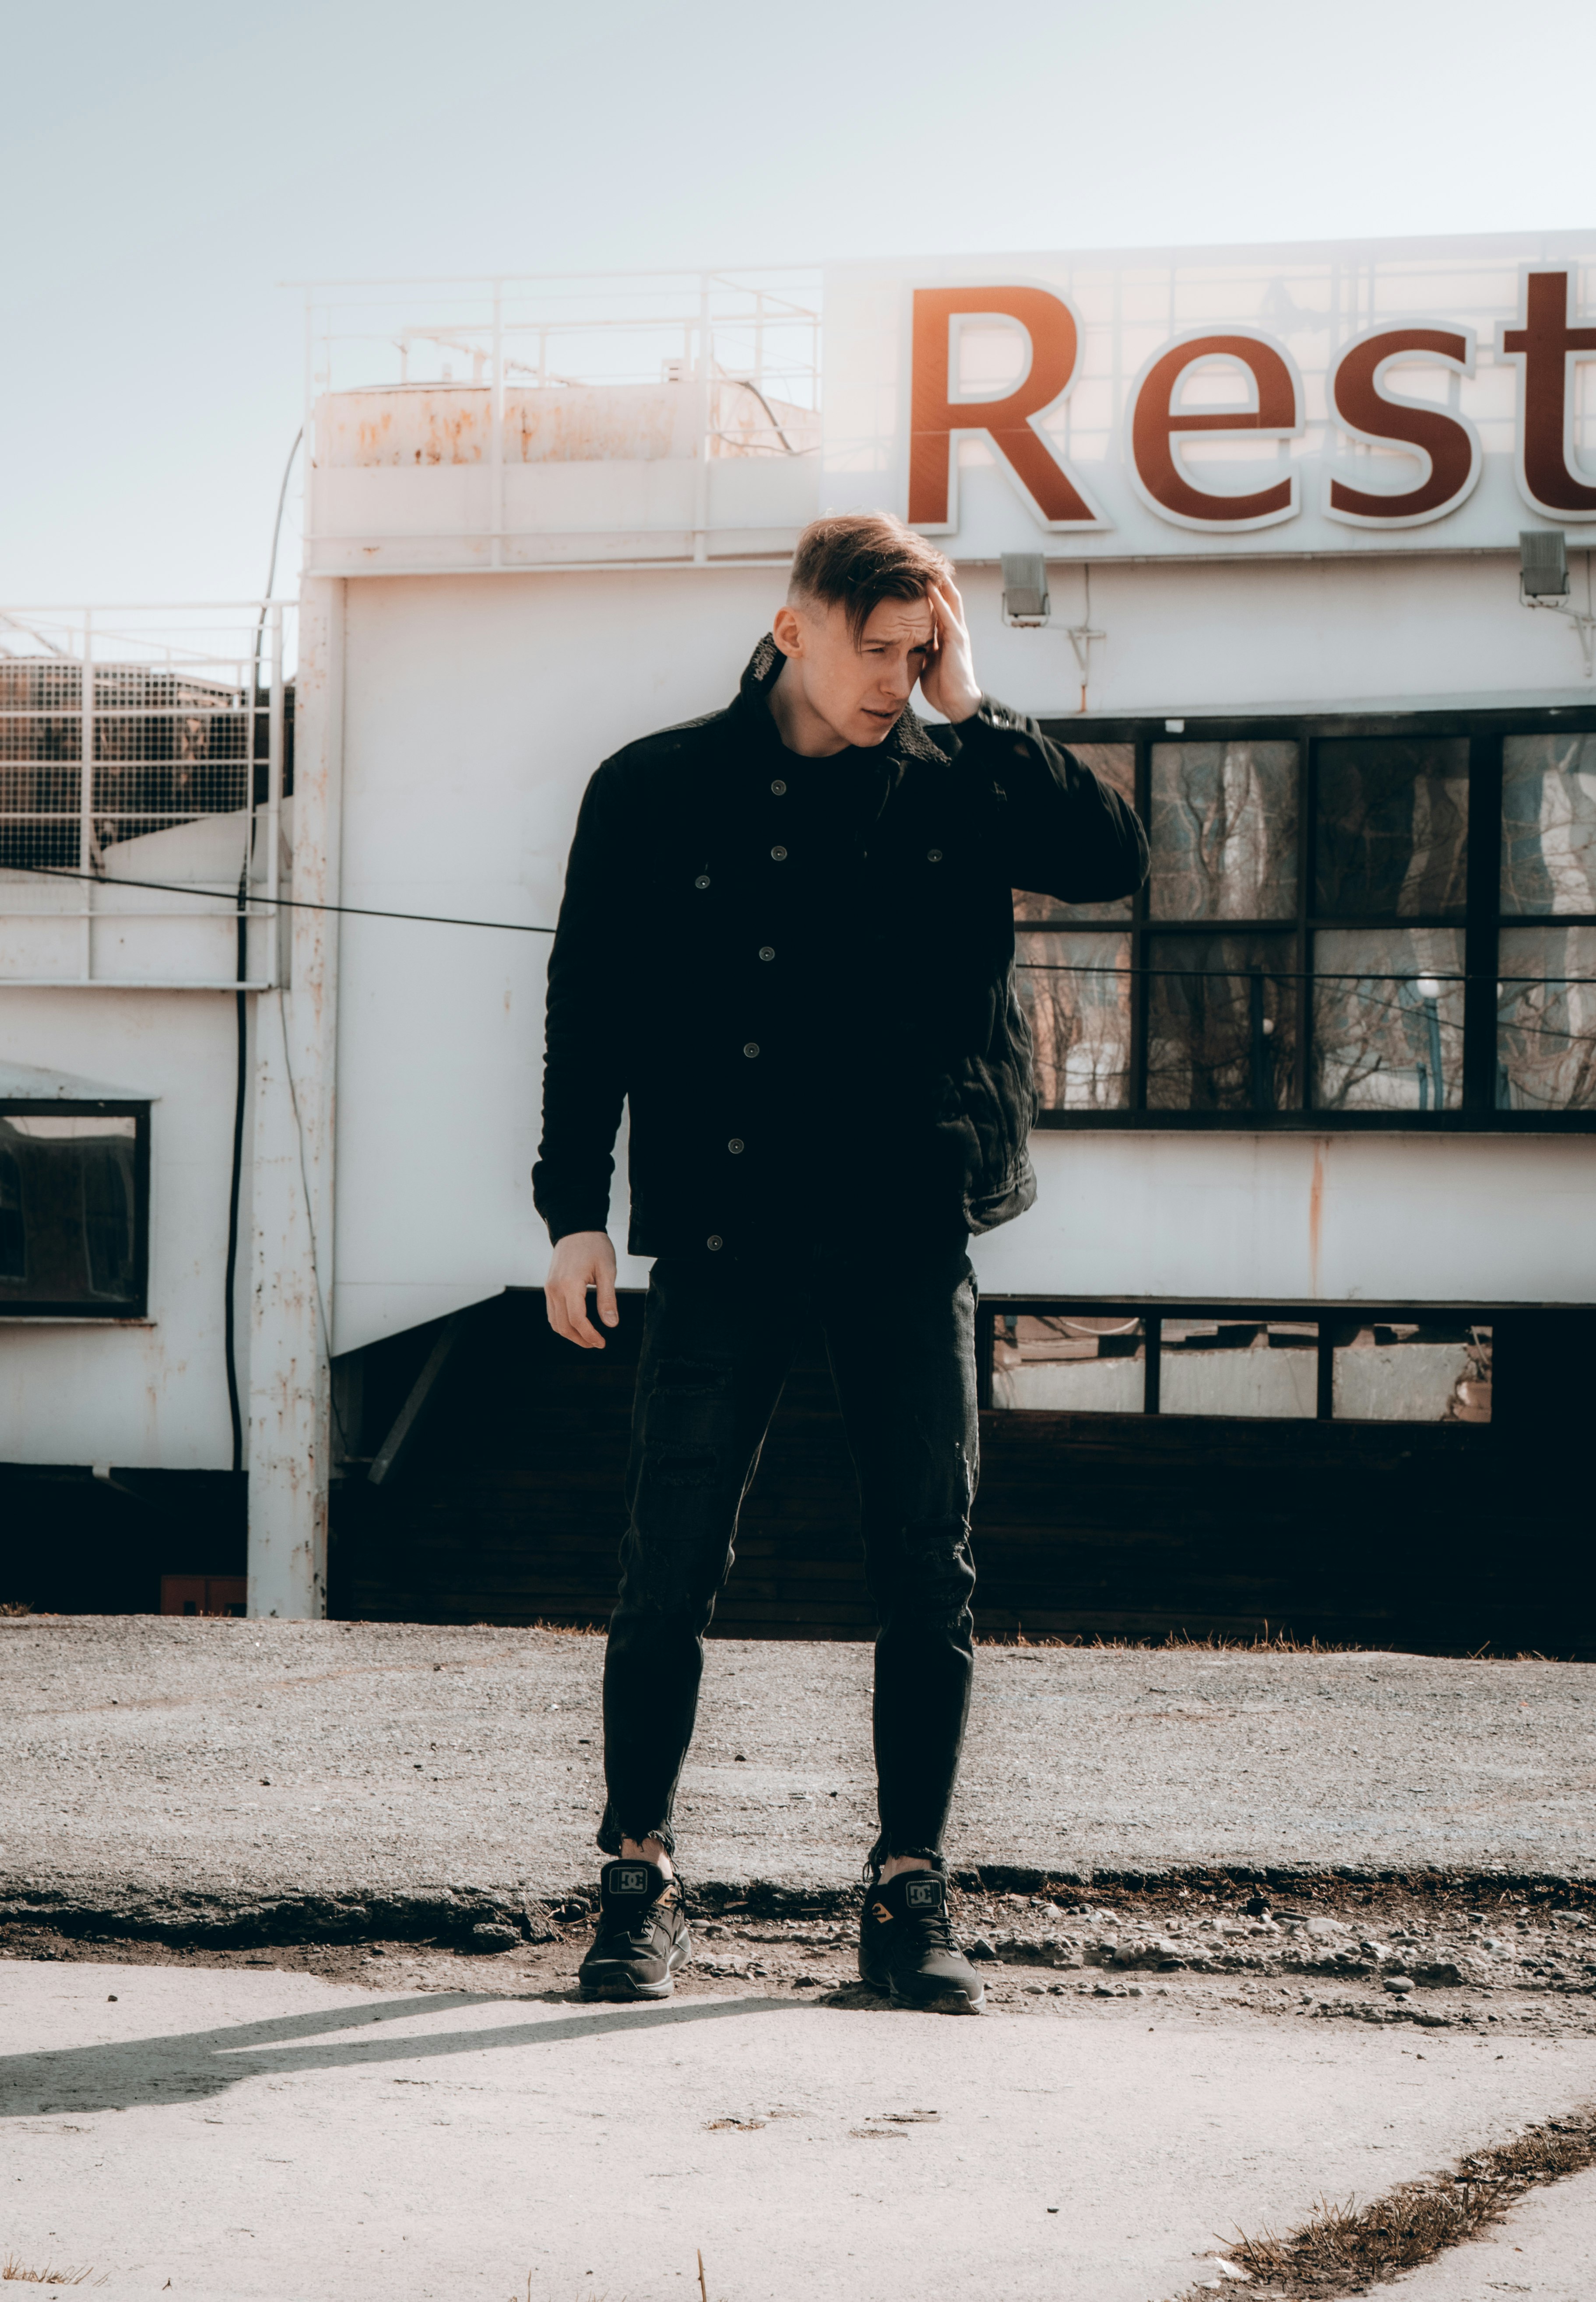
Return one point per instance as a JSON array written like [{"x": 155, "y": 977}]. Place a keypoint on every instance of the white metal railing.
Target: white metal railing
[
  {"x": 144, "y": 770},
  {"x": 746, "y": 343}
]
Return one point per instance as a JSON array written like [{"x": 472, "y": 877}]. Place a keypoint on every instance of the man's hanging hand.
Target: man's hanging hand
[{"x": 581, "y": 1259}]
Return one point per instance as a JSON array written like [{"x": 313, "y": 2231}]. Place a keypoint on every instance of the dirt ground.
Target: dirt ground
[{"x": 1433, "y": 1957}]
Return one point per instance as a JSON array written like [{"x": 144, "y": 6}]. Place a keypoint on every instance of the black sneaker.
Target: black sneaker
[
  {"x": 642, "y": 1934},
  {"x": 906, "y": 1950}
]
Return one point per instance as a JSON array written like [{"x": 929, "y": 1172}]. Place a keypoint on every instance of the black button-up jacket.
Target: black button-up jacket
[{"x": 694, "y": 946}]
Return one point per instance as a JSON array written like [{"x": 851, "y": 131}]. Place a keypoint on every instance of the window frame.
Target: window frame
[
  {"x": 135, "y": 1307},
  {"x": 1326, "y": 1316},
  {"x": 1480, "y": 922}
]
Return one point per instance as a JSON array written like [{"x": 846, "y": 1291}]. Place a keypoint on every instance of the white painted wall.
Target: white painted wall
[
  {"x": 1299, "y": 1218},
  {"x": 152, "y": 1396},
  {"x": 1439, "y": 634},
  {"x": 476, "y": 710}
]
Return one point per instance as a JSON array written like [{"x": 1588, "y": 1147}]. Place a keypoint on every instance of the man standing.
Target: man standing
[{"x": 786, "y": 942}]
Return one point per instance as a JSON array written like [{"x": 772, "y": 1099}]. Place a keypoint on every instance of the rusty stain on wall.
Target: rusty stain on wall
[
  {"x": 413, "y": 424},
  {"x": 1316, "y": 1211}
]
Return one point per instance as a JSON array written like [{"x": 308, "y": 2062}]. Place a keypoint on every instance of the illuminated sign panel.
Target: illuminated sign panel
[{"x": 1386, "y": 396}]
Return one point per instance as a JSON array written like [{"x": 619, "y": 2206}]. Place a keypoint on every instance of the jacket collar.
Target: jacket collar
[{"x": 911, "y": 739}]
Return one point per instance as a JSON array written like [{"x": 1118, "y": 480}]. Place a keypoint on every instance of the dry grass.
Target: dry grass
[
  {"x": 1264, "y": 1642},
  {"x": 11, "y": 2268},
  {"x": 1344, "y": 2250},
  {"x": 13, "y": 1607}
]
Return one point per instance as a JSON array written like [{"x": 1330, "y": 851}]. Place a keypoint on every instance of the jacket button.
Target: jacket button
[
  {"x": 714, "y": 1242},
  {"x": 735, "y": 1144},
  {"x": 751, "y": 1048},
  {"x": 766, "y": 951},
  {"x": 933, "y": 855},
  {"x": 778, "y": 788},
  {"x": 778, "y": 854},
  {"x": 703, "y": 879}
]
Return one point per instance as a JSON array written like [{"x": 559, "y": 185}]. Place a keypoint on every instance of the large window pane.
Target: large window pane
[
  {"x": 1549, "y": 823},
  {"x": 1244, "y": 1367},
  {"x": 1432, "y": 1371},
  {"x": 1222, "y": 1024},
  {"x": 1116, "y": 764},
  {"x": 1223, "y": 831},
  {"x": 1546, "y": 1020},
  {"x": 1073, "y": 1365},
  {"x": 1387, "y": 1019},
  {"x": 1393, "y": 826},
  {"x": 1076, "y": 992},
  {"x": 68, "y": 1211}
]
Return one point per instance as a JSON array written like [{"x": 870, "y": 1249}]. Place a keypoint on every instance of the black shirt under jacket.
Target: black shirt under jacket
[{"x": 800, "y": 974}]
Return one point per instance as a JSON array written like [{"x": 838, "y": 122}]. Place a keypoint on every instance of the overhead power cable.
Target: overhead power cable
[
  {"x": 1032, "y": 966},
  {"x": 280, "y": 903}
]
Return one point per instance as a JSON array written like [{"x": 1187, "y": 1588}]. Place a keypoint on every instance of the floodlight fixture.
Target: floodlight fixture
[
  {"x": 1026, "y": 606},
  {"x": 1543, "y": 583},
  {"x": 1543, "y": 563}
]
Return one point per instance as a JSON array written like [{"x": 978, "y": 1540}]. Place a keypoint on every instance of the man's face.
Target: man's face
[{"x": 859, "y": 688}]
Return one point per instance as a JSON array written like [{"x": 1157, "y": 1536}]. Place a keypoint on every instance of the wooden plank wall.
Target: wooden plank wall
[{"x": 1441, "y": 1538}]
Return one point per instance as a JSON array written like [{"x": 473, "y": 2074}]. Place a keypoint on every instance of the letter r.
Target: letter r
[{"x": 935, "y": 419}]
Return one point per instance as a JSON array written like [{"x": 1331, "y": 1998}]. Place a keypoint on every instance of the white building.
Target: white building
[{"x": 1339, "y": 1062}]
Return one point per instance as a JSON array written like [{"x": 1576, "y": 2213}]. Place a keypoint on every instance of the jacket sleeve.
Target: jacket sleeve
[
  {"x": 584, "y": 1081},
  {"x": 1059, "y": 829}
]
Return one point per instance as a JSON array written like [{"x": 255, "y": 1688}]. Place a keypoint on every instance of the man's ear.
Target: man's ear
[{"x": 787, "y": 630}]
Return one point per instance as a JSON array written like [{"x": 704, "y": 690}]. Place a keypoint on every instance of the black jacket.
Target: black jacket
[{"x": 690, "y": 942}]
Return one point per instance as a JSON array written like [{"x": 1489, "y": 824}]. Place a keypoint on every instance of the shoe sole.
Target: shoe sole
[
  {"x": 952, "y": 2002},
  {"x": 619, "y": 1991}
]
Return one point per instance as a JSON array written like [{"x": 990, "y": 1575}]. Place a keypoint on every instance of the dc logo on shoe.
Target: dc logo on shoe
[
  {"x": 923, "y": 1893},
  {"x": 631, "y": 1882}
]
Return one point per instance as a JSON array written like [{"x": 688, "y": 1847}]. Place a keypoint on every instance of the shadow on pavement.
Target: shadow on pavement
[{"x": 191, "y": 2066}]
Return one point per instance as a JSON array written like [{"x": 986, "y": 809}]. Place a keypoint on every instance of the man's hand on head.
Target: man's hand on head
[
  {"x": 948, "y": 681},
  {"x": 581, "y": 1259}
]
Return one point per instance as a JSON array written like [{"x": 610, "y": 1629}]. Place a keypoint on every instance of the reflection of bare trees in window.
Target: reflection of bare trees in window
[
  {"x": 1080, "y": 1018},
  {"x": 1393, "y": 825},
  {"x": 1224, "y": 831},
  {"x": 1387, "y": 1019},
  {"x": 1222, "y": 1026},
  {"x": 1549, "y": 824},
  {"x": 1546, "y": 1022},
  {"x": 1116, "y": 764}
]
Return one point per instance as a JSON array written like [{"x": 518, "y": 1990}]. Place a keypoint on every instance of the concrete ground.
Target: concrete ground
[
  {"x": 1257, "y": 1930},
  {"x": 224, "y": 2134}
]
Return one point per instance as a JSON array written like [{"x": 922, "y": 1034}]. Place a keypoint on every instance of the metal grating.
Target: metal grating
[{"x": 117, "y": 726}]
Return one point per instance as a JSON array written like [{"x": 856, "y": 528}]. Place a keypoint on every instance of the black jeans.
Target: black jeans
[{"x": 717, "y": 1341}]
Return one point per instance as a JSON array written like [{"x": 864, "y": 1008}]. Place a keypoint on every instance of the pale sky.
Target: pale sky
[{"x": 164, "y": 167}]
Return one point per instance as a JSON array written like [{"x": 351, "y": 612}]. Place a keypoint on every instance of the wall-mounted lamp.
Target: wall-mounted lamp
[
  {"x": 1543, "y": 563},
  {"x": 1025, "y": 602},
  {"x": 1543, "y": 583},
  {"x": 1026, "y": 606}
]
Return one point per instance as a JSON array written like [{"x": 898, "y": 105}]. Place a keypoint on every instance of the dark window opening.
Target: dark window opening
[{"x": 74, "y": 1206}]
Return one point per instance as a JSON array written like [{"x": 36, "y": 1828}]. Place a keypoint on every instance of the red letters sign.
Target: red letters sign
[
  {"x": 935, "y": 419},
  {"x": 1545, "y": 344},
  {"x": 1444, "y": 441},
  {"x": 1548, "y": 348},
  {"x": 1273, "y": 411}
]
